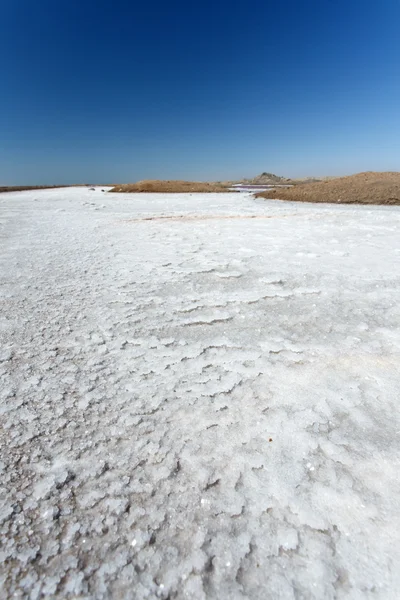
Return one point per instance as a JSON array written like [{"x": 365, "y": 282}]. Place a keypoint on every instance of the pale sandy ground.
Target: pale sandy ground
[{"x": 198, "y": 407}]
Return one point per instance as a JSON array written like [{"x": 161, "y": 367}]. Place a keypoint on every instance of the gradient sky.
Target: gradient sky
[{"x": 101, "y": 91}]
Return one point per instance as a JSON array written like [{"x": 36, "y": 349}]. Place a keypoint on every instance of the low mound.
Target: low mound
[
  {"x": 154, "y": 185},
  {"x": 363, "y": 188}
]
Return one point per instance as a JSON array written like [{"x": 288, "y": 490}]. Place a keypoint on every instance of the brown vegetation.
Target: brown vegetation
[
  {"x": 363, "y": 188},
  {"x": 154, "y": 185}
]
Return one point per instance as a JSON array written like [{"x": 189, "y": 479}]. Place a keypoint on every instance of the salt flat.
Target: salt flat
[{"x": 199, "y": 397}]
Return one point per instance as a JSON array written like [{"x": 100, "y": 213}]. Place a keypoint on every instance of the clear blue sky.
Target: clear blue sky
[{"x": 101, "y": 91}]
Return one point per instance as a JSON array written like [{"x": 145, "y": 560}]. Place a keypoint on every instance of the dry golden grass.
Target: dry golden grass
[
  {"x": 363, "y": 188},
  {"x": 154, "y": 185}
]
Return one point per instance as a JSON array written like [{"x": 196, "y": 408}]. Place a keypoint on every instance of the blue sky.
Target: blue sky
[{"x": 101, "y": 91}]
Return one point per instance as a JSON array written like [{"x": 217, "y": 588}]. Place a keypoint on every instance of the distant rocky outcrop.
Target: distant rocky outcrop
[
  {"x": 267, "y": 179},
  {"x": 272, "y": 179}
]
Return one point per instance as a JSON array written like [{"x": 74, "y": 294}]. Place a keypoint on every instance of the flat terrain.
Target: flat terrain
[
  {"x": 363, "y": 188},
  {"x": 199, "y": 397},
  {"x": 166, "y": 186},
  {"x": 20, "y": 188}
]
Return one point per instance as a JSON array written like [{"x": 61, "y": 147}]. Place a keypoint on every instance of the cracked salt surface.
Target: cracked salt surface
[{"x": 198, "y": 407}]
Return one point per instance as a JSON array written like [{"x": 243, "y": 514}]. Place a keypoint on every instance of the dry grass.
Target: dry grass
[
  {"x": 154, "y": 185},
  {"x": 363, "y": 188}
]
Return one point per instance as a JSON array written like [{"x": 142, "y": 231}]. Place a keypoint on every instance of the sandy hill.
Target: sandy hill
[
  {"x": 363, "y": 188},
  {"x": 154, "y": 185}
]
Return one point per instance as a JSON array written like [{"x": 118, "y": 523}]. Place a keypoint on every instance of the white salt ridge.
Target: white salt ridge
[{"x": 198, "y": 408}]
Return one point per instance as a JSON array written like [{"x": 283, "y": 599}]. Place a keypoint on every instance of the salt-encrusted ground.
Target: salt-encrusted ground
[{"x": 203, "y": 406}]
